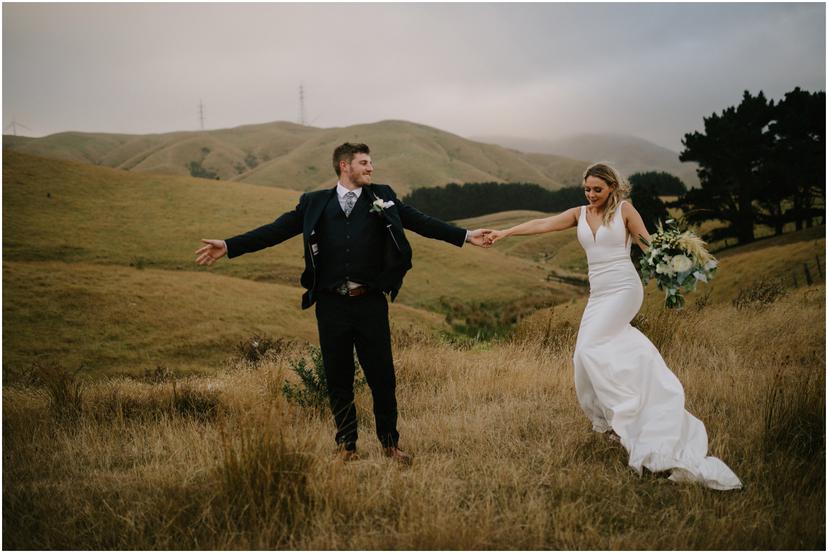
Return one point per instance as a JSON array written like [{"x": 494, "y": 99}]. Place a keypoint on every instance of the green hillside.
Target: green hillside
[
  {"x": 99, "y": 267},
  {"x": 296, "y": 157}
]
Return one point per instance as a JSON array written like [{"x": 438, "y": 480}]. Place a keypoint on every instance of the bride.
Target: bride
[{"x": 622, "y": 382}]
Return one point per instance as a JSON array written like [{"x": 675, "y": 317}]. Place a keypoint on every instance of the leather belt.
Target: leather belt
[{"x": 352, "y": 292}]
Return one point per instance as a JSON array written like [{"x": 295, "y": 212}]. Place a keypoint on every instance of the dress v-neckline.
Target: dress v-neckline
[{"x": 586, "y": 220}]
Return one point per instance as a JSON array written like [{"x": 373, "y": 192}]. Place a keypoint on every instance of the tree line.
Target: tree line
[
  {"x": 455, "y": 201},
  {"x": 760, "y": 163}
]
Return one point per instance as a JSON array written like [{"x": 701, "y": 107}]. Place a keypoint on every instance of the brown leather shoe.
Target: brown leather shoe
[
  {"x": 398, "y": 455},
  {"x": 343, "y": 455}
]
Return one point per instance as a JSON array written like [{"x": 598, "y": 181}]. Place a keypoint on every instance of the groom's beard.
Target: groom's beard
[{"x": 361, "y": 180}]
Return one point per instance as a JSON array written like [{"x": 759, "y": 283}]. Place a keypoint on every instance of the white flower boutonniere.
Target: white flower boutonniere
[{"x": 379, "y": 205}]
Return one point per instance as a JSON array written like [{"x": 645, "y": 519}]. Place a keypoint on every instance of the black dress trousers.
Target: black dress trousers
[{"x": 346, "y": 322}]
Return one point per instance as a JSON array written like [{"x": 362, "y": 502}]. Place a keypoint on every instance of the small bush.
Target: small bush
[
  {"x": 117, "y": 406},
  {"x": 158, "y": 375},
  {"x": 760, "y": 294},
  {"x": 312, "y": 389},
  {"x": 202, "y": 405},
  {"x": 254, "y": 348},
  {"x": 198, "y": 171},
  {"x": 702, "y": 300},
  {"x": 139, "y": 263},
  {"x": 64, "y": 388}
]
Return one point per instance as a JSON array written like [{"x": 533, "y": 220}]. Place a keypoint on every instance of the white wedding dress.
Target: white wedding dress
[{"x": 621, "y": 379}]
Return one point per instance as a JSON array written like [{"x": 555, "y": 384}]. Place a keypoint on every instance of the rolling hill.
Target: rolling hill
[
  {"x": 629, "y": 154},
  {"x": 286, "y": 155},
  {"x": 98, "y": 268}
]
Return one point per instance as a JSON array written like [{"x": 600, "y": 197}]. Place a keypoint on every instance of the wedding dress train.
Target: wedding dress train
[{"x": 622, "y": 381}]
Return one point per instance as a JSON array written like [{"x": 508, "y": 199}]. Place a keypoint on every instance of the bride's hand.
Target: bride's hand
[{"x": 494, "y": 236}]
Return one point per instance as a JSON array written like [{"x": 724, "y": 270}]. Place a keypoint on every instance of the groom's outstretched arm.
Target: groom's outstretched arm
[
  {"x": 431, "y": 227},
  {"x": 284, "y": 227}
]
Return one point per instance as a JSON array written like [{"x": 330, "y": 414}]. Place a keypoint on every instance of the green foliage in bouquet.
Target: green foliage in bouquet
[{"x": 677, "y": 259}]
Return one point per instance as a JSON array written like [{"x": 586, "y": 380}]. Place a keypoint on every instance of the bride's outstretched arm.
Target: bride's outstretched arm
[
  {"x": 561, "y": 221},
  {"x": 635, "y": 225}
]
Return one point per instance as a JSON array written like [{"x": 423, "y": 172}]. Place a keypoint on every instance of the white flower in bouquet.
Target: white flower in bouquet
[
  {"x": 677, "y": 260},
  {"x": 680, "y": 264},
  {"x": 665, "y": 268}
]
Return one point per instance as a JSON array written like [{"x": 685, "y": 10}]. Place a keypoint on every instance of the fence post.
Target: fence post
[
  {"x": 807, "y": 274},
  {"x": 819, "y": 268}
]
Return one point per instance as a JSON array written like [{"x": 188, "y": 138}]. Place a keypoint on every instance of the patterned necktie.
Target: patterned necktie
[{"x": 350, "y": 200}]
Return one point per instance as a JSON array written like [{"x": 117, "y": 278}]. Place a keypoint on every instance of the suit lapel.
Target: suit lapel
[
  {"x": 316, "y": 209},
  {"x": 390, "y": 215}
]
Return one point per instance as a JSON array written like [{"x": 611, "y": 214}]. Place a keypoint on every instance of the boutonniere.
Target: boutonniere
[{"x": 379, "y": 205}]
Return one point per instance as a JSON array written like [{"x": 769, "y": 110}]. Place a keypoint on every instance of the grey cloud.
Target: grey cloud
[{"x": 533, "y": 70}]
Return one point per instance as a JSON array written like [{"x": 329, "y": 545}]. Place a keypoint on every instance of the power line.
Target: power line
[
  {"x": 201, "y": 112},
  {"x": 302, "y": 118}
]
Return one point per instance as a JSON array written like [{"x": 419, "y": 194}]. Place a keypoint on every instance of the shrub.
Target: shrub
[
  {"x": 158, "y": 375},
  {"x": 64, "y": 388},
  {"x": 254, "y": 348},
  {"x": 312, "y": 389},
  {"x": 760, "y": 294},
  {"x": 203, "y": 405},
  {"x": 198, "y": 171},
  {"x": 139, "y": 263}
]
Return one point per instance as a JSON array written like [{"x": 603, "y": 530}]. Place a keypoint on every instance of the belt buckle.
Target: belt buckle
[{"x": 342, "y": 290}]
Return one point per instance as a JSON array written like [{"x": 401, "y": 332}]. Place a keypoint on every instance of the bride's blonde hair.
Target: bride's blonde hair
[{"x": 619, "y": 187}]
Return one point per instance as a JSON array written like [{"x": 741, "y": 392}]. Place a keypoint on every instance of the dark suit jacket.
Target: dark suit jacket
[{"x": 304, "y": 218}]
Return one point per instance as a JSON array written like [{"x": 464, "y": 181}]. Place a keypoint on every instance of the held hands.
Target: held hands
[
  {"x": 478, "y": 237},
  {"x": 493, "y": 236},
  {"x": 214, "y": 250},
  {"x": 485, "y": 238}
]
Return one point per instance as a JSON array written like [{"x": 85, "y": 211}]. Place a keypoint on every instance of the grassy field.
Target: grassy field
[
  {"x": 504, "y": 459},
  {"x": 172, "y": 439},
  {"x": 99, "y": 270}
]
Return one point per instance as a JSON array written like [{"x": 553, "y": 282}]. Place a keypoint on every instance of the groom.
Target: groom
[{"x": 355, "y": 252}]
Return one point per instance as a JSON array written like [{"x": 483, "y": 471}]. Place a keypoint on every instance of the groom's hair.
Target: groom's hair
[{"x": 346, "y": 152}]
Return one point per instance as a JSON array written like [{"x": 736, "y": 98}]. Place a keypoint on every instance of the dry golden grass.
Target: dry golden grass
[{"x": 504, "y": 457}]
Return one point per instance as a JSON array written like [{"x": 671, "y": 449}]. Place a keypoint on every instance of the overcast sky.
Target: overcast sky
[{"x": 524, "y": 70}]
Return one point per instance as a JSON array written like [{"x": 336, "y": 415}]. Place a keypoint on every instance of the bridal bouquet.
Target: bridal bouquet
[{"x": 677, "y": 260}]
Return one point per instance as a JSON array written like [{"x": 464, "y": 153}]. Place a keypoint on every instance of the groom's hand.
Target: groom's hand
[
  {"x": 478, "y": 237},
  {"x": 213, "y": 250}
]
